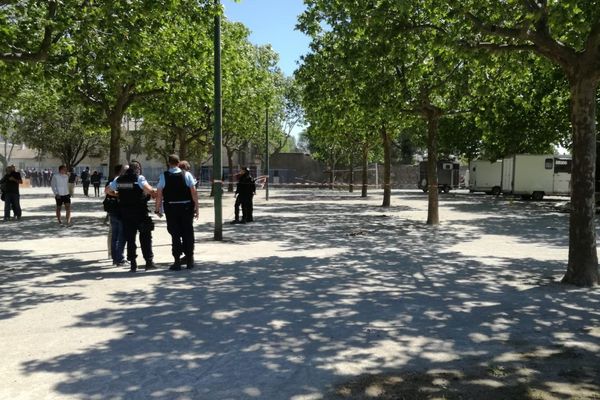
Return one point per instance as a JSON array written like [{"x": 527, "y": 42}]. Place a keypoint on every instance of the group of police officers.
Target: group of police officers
[{"x": 176, "y": 197}]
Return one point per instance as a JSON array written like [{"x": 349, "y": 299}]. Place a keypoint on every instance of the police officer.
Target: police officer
[
  {"x": 245, "y": 190},
  {"x": 176, "y": 191},
  {"x": 134, "y": 191}
]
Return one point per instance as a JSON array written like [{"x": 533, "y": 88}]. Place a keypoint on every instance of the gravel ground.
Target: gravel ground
[{"x": 325, "y": 296}]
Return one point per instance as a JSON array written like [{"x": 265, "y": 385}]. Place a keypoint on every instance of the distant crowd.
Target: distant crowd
[{"x": 38, "y": 178}]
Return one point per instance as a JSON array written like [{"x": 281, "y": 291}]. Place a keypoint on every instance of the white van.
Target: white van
[{"x": 536, "y": 176}]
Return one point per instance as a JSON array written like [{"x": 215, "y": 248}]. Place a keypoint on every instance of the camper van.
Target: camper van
[
  {"x": 485, "y": 176},
  {"x": 536, "y": 176},
  {"x": 448, "y": 175}
]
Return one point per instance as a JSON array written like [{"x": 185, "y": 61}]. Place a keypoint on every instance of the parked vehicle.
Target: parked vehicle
[
  {"x": 536, "y": 176},
  {"x": 485, "y": 176},
  {"x": 448, "y": 173},
  {"x": 528, "y": 175}
]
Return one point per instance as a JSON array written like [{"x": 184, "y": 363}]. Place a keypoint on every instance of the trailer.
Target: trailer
[
  {"x": 535, "y": 176},
  {"x": 448, "y": 173},
  {"x": 485, "y": 176}
]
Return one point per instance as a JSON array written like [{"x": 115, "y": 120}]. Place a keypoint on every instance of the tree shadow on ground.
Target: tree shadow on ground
[{"x": 368, "y": 318}]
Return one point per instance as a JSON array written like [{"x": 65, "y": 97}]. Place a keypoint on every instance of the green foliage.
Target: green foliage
[{"x": 49, "y": 121}]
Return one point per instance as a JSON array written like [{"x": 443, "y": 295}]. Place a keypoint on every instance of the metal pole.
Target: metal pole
[
  {"x": 267, "y": 153},
  {"x": 218, "y": 137}
]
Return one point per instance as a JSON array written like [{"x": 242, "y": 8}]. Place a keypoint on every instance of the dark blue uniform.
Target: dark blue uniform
[
  {"x": 179, "y": 210},
  {"x": 133, "y": 210}
]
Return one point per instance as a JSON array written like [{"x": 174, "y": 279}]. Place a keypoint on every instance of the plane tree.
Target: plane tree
[
  {"x": 31, "y": 28},
  {"x": 399, "y": 65},
  {"x": 126, "y": 52},
  {"x": 339, "y": 127},
  {"x": 250, "y": 86},
  {"x": 51, "y": 120},
  {"x": 567, "y": 34}
]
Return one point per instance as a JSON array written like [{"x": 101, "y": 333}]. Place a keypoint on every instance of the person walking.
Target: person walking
[
  {"x": 85, "y": 181},
  {"x": 134, "y": 191},
  {"x": 245, "y": 190},
  {"x": 60, "y": 188},
  {"x": 176, "y": 191},
  {"x": 10, "y": 192},
  {"x": 72, "y": 182},
  {"x": 95, "y": 181}
]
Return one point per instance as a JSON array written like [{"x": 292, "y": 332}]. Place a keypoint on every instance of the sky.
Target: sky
[{"x": 272, "y": 22}]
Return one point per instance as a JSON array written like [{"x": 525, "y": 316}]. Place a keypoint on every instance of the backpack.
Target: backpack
[{"x": 110, "y": 204}]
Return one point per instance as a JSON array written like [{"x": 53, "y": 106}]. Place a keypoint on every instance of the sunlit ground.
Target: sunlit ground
[{"x": 326, "y": 295}]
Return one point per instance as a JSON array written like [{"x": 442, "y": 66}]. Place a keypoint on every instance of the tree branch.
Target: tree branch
[
  {"x": 543, "y": 43},
  {"x": 592, "y": 44},
  {"x": 141, "y": 95},
  {"x": 42, "y": 53},
  {"x": 499, "y": 48},
  {"x": 522, "y": 33}
]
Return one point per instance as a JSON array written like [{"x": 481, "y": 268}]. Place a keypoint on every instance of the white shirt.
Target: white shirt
[{"x": 60, "y": 185}]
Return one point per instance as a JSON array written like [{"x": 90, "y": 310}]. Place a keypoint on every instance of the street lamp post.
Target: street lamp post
[
  {"x": 267, "y": 153},
  {"x": 218, "y": 137}
]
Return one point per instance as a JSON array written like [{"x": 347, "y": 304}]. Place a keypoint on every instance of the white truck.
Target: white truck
[
  {"x": 485, "y": 176},
  {"x": 528, "y": 175},
  {"x": 535, "y": 176}
]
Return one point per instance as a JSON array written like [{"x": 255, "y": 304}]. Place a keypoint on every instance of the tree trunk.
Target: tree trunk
[
  {"x": 114, "y": 120},
  {"x": 433, "y": 217},
  {"x": 365, "y": 170},
  {"x": 582, "y": 268},
  {"x": 387, "y": 168},
  {"x": 230, "y": 164},
  {"x": 332, "y": 174},
  {"x": 351, "y": 178},
  {"x": 183, "y": 143}
]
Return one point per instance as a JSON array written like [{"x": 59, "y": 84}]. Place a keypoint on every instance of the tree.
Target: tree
[
  {"x": 395, "y": 66},
  {"x": 249, "y": 88},
  {"x": 50, "y": 122},
  {"x": 29, "y": 29},
  {"x": 566, "y": 33},
  {"x": 126, "y": 52},
  {"x": 338, "y": 121}
]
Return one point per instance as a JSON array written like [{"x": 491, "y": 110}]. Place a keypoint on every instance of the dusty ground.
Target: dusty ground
[{"x": 326, "y": 296}]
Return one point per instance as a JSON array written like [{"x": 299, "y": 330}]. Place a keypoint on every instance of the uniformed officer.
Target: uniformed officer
[
  {"x": 134, "y": 191},
  {"x": 245, "y": 190},
  {"x": 176, "y": 191}
]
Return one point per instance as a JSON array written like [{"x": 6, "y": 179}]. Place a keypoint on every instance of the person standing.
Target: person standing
[
  {"x": 10, "y": 184},
  {"x": 116, "y": 235},
  {"x": 134, "y": 191},
  {"x": 60, "y": 188},
  {"x": 85, "y": 181},
  {"x": 176, "y": 191},
  {"x": 95, "y": 181},
  {"x": 72, "y": 182},
  {"x": 245, "y": 191}
]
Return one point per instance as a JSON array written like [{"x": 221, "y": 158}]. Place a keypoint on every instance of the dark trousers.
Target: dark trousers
[
  {"x": 97, "y": 189},
  {"x": 245, "y": 202},
  {"x": 12, "y": 201},
  {"x": 132, "y": 224},
  {"x": 117, "y": 242},
  {"x": 86, "y": 187},
  {"x": 180, "y": 225}
]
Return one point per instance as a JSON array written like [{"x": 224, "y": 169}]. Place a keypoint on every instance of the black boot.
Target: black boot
[
  {"x": 176, "y": 266},
  {"x": 189, "y": 262},
  {"x": 132, "y": 266},
  {"x": 150, "y": 265}
]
